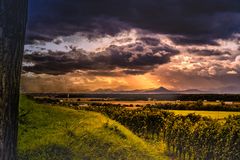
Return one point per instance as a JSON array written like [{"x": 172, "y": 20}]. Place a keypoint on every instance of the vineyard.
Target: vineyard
[{"x": 186, "y": 137}]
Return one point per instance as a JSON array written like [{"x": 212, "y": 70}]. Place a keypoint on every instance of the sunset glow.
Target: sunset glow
[{"x": 108, "y": 53}]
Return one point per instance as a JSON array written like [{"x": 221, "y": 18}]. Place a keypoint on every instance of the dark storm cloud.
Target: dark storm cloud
[
  {"x": 194, "y": 41},
  {"x": 150, "y": 41},
  {"x": 33, "y": 37},
  {"x": 209, "y": 19},
  {"x": 123, "y": 57},
  {"x": 206, "y": 52}
]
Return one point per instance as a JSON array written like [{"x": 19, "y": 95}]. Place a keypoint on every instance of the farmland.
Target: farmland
[
  {"x": 188, "y": 136},
  {"x": 213, "y": 109},
  {"x": 188, "y": 129},
  {"x": 138, "y": 104}
]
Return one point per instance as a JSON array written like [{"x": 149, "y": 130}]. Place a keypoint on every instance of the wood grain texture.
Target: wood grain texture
[{"x": 13, "y": 18}]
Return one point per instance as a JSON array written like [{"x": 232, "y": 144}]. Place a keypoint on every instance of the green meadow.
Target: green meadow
[{"x": 48, "y": 132}]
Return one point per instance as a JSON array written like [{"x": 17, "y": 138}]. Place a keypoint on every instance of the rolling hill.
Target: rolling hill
[{"x": 58, "y": 133}]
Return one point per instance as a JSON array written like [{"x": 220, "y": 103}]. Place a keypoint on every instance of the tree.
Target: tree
[{"x": 13, "y": 18}]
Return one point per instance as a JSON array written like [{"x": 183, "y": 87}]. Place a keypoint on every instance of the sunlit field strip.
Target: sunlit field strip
[{"x": 212, "y": 114}]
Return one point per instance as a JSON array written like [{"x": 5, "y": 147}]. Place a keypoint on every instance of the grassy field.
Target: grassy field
[
  {"x": 212, "y": 114},
  {"x": 57, "y": 133}
]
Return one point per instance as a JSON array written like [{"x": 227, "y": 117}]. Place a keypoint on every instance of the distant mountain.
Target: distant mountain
[
  {"x": 221, "y": 90},
  {"x": 167, "y": 91},
  {"x": 159, "y": 90},
  {"x": 134, "y": 91},
  {"x": 163, "y": 90},
  {"x": 117, "y": 92}
]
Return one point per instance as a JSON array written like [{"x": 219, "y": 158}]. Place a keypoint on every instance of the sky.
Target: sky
[{"x": 86, "y": 45}]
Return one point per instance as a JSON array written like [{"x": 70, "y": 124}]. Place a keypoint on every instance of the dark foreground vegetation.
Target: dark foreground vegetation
[{"x": 187, "y": 137}]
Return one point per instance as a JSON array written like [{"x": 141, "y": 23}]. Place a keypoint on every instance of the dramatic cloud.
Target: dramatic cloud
[
  {"x": 194, "y": 41},
  {"x": 200, "y": 22},
  {"x": 130, "y": 59},
  {"x": 189, "y": 80},
  {"x": 206, "y": 52},
  {"x": 150, "y": 41},
  {"x": 132, "y": 44}
]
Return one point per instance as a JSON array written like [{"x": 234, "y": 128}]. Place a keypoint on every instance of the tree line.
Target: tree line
[{"x": 197, "y": 105}]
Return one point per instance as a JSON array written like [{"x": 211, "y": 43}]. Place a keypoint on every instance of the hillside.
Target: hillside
[{"x": 57, "y": 133}]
